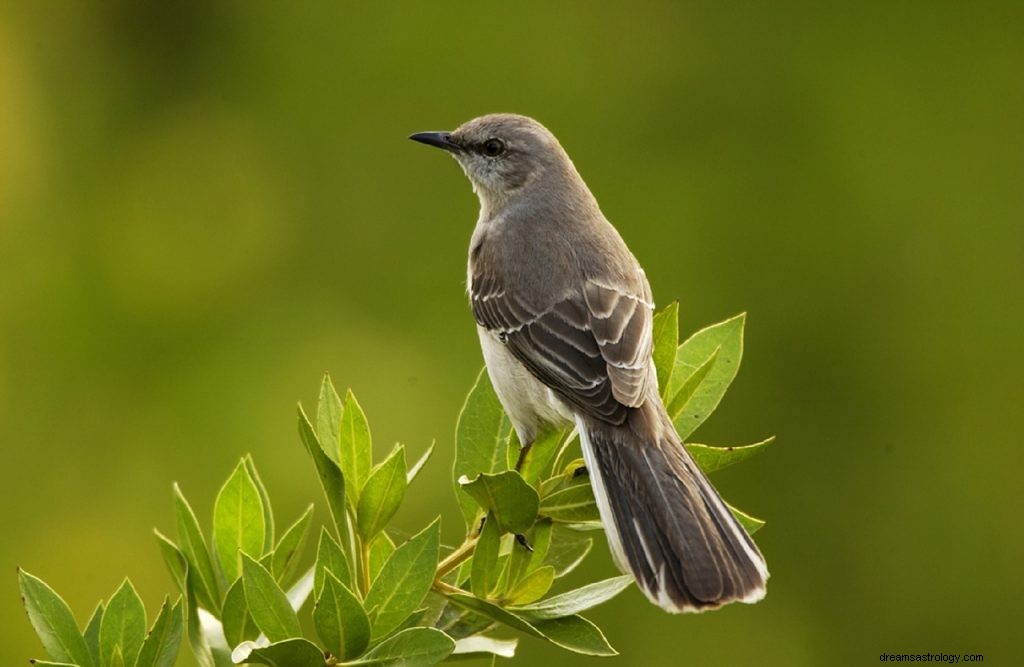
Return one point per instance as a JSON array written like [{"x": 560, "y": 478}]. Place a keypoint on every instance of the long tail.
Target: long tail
[{"x": 665, "y": 523}]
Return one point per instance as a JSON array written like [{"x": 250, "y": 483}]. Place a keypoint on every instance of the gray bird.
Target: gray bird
[{"x": 563, "y": 312}]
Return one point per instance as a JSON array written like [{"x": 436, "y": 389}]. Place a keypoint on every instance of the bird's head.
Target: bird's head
[{"x": 502, "y": 154}]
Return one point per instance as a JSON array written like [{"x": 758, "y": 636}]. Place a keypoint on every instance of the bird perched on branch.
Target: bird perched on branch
[{"x": 564, "y": 314}]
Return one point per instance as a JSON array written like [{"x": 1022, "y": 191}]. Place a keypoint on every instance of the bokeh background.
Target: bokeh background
[{"x": 203, "y": 206}]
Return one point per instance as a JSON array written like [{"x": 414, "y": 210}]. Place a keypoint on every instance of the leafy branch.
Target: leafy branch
[{"x": 528, "y": 513}]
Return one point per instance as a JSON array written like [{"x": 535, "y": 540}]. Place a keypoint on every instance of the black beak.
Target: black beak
[{"x": 438, "y": 139}]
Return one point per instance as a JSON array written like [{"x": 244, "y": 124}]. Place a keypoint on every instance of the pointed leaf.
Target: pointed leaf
[
  {"x": 331, "y": 479},
  {"x": 91, "y": 634},
  {"x": 193, "y": 546},
  {"x": 235, "y": 616},
  {"x": 356, "y": 448},
  {"x": 268, "y": 514},
  {"x": 523, "y": 560},
  {"x": 123, "y": 626},
  {"x": 160, "y": 649},
  {"x": 422, "y": 461},
  {"x": 568, "y": 549},
  {"x": 481, "y": 439},
  {"x": 294, "y": 652},
  {"x": 573, "y": 504},
  {"x": 513, "y": 501},
  {"x": 340, "y": 620},
  {"x": 539, "y": 457},
  {"x": 716, "y": 458},
  {"x": 53, "y": 621},
  {"x": 532, "y": 587},
  {"x": 238, "y": 523},
  {"x": 750, "y": 523},
  {"x": 381, "y": 495},
  {"x": 329, "y": 556},
  {"x": 287, "y": 551},
  {"x": 404, "y": 580},
  {"x": 682, "y": 394},
  {"x": 173, "y": 559},
  {"x": 328, "y": 419},
  {"x": 413, "y": 647},
  {"x": 484, "y": 573},
  {"x": 727, "y": 338},
  {"x": 576, "y": 601},
  {"x": 573, "y": 633},
  {"x": 666, "y": 340},
  {"x": 268, "y": 604},
  {"x": 576, "y": 634},
  {"x": 380, "y": 550}
]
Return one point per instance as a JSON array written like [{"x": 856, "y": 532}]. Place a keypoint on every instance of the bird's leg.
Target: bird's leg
[{"x": 523, "y": 451}]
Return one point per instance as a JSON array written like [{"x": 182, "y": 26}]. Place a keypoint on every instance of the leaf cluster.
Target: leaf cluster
[{"x": 369, "y": 597}]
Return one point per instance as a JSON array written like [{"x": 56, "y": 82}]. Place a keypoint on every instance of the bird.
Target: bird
[{"x": 564, "y": 316}]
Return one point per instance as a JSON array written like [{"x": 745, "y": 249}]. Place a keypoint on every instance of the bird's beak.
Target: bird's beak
[{"x": 438, "y": 139}]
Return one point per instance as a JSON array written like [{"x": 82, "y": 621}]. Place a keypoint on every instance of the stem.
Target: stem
[
  {"x": 455, "y": 558},
  {"x": 448, "y": 589}
]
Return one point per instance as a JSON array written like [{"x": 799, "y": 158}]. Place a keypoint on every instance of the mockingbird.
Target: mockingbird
[{"x": 563, "y": 312}]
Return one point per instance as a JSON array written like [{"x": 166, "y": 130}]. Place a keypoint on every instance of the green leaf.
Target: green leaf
[
  {"x": 576, "y": 634},
  {"x": 328, "y": 419},
  {"x": 286, "y": 553},
  {"x": 567, "y": 550},
  {"x": 116, "y": 658},
  {"x": 676, "y": 403},
  {"x": 329, "y": 556},
  {"x": 238, "y": 524},
  {"x": 356, "y": 448},
  {"x": 53, "y": 621},
  {"x": 513, "y": 501},
  {"x": 532, "y": 587},
  {"x": 268, "y": 514},
  {"x": 575, "y": 601},
  {"x": 294, "y": 652},
  {"x": 523, "y": 561},
  {"x": 711, "y": 459},
  {"x": 481, "y": 440},
  {"x": 422, "y": 461},
  {"x": 540, "y": 454},
  {"x": 193, "y": 546},
  {"x": 382, "y": 494},
  {"x": 91, "y": 633},
  {"x": 727, "y": 338},
  {"x": 268, "y": 604},
  {"x": 381, "y": 549},
  {"x": 413, "y": 647},
  {"x": 573, "y": 633},
  {"x": 750, "y": 523},
  {"x": 160, "y": 649},
  {"x": 484, "y": 572},
  {"x": 235, "y": 616},
  {"x": 340, "y": 620},
  {"x": 331, "y": 479},
  {"x": 47, "y": 663},
  {"x": 404, "y": 580},
  {"x": 573, "y": 504},
  {"x": 123, "y": 626},
  {"x": 173, "y": 559},
  {"x": 666, "y": 340}
]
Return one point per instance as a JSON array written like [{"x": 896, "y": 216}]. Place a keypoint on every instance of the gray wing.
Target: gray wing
[{"x": 592, "y": 347}]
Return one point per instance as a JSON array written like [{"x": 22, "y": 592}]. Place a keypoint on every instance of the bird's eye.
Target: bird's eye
[{"x": 494, "y": 147}]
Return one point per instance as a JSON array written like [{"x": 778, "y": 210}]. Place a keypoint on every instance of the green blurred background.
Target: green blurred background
[{"x": 202, "y": 208}]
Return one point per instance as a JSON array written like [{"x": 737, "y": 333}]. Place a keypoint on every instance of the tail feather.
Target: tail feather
[{"x": 665, "y": 523}]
